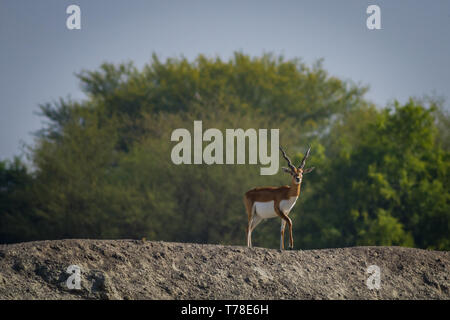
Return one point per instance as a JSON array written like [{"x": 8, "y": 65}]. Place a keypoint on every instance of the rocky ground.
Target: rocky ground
[{"x": 131, "y": 269}]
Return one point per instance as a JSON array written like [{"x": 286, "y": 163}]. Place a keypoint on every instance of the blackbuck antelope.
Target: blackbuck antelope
[{"x": 270, "y": 202}]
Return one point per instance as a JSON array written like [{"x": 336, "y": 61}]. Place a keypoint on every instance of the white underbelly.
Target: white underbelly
[{"x": 266, "y": 210}]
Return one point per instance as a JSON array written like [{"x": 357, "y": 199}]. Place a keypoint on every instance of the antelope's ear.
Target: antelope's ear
[
  {"x": 287, "y": 170},
  {"x": 308, "y": 170}
]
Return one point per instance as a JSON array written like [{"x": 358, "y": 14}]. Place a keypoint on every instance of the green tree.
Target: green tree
[
  {"x": 387, "y": 189},
  {"x": 102, "y": 167},
  {"x": 16, "y": 202}
]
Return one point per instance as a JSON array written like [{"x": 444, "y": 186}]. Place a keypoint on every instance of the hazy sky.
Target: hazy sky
[{"x": 39, "y": 55}]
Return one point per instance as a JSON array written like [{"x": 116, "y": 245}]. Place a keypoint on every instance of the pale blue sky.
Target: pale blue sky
[{"x": 39, "y": 56}]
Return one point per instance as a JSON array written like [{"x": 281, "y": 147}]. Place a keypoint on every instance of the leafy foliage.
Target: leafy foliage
[
  {"x": 102, "y": 167},
  {"x": 388, "y": 189}
]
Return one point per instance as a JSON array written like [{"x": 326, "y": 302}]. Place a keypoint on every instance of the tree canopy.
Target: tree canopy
[{"x": 102, "y": 167}]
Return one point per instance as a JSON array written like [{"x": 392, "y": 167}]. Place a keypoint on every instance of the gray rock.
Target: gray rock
[{"x": 130, "y": 269}]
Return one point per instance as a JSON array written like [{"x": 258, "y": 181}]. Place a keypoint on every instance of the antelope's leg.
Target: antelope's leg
[
  {"x": 283, "y": 226},
  {"x": 256, "y": 220},
  {"x": 249, "y": 233},
  {"x": 291, "y": 238},
  {"x": 288, "y": 220},
  {"x": 250, "y": 227}
]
